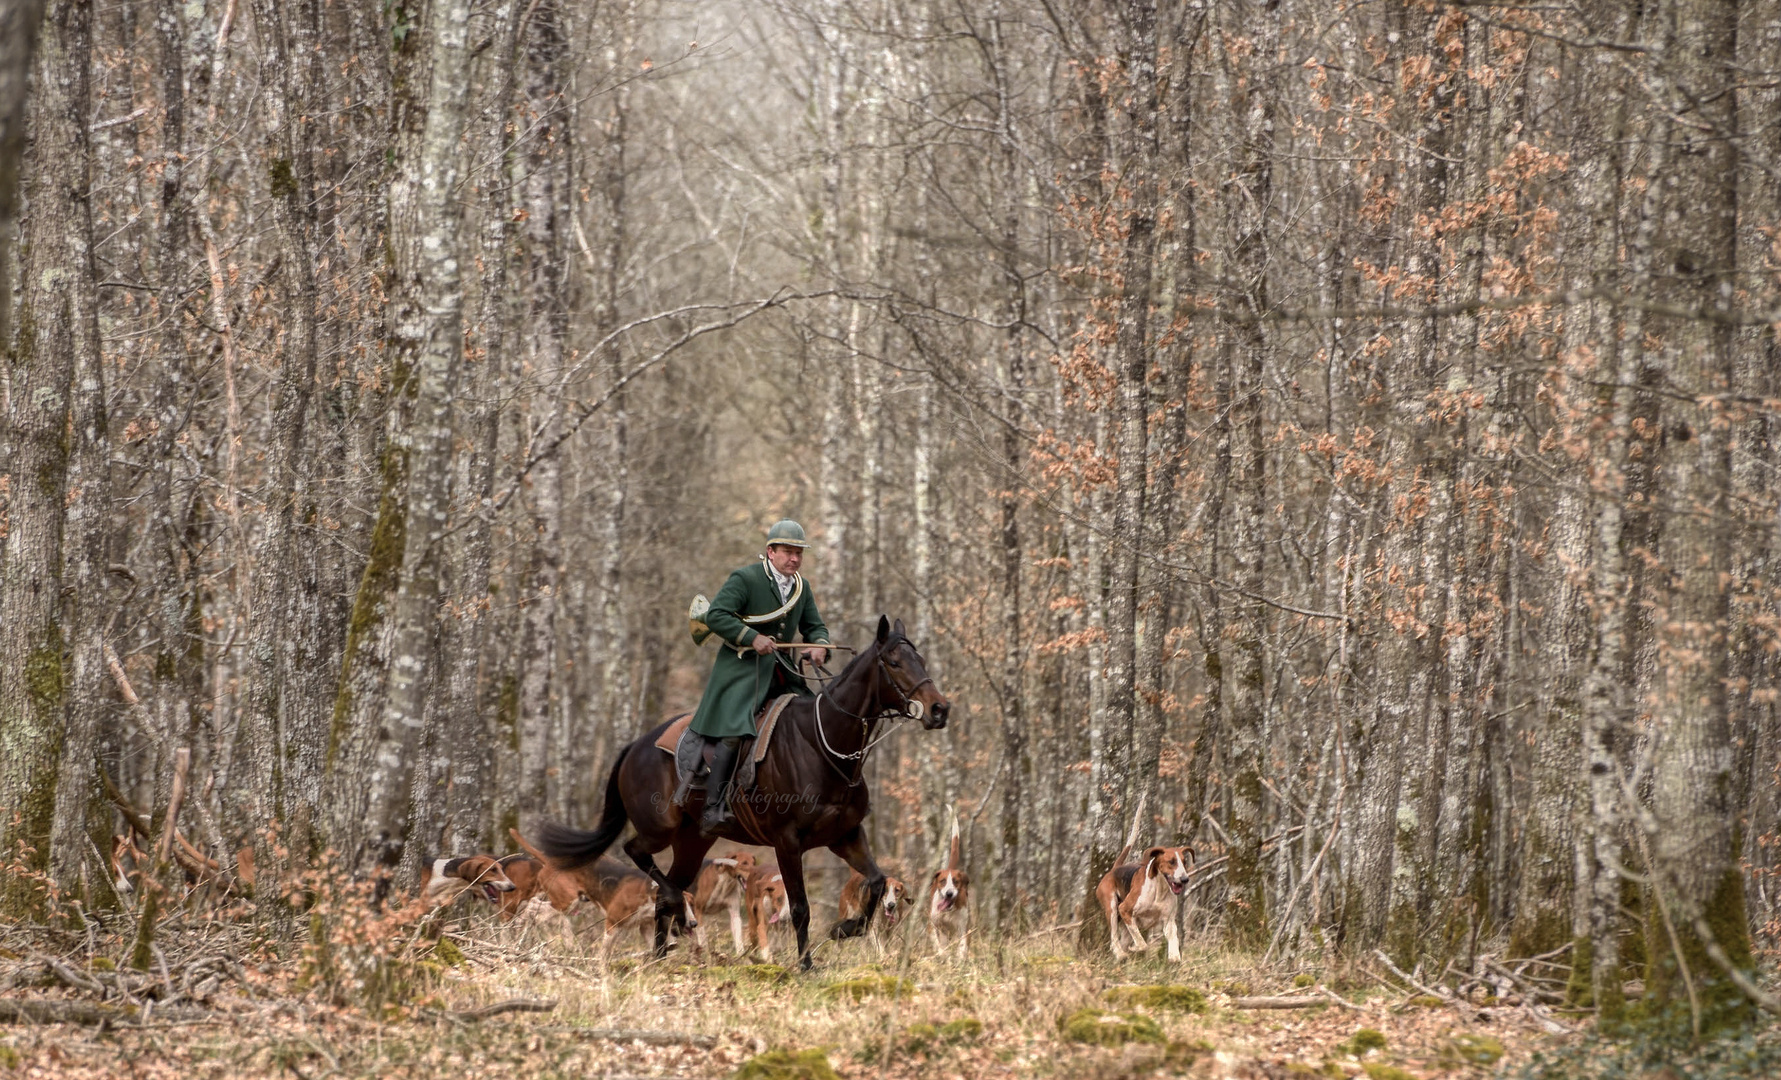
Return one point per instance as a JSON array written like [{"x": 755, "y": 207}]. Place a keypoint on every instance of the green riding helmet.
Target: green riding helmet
[{"x": 787, "y": 532}]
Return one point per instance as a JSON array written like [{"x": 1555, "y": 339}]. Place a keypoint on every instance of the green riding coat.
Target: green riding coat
[{"x": 740, "y": 684}]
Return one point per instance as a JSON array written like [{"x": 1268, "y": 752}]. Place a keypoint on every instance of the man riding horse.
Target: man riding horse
[{"x": 755, "y": 614}]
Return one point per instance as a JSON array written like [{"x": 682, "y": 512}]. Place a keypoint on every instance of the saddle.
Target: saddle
[{"x": 692, "y": 753}]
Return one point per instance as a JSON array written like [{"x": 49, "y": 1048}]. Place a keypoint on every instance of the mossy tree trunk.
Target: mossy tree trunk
[
  {"x": 434, "y": 328},
  {"x": 1694, "y": 833},
  {"x": 55, "y": 324}
]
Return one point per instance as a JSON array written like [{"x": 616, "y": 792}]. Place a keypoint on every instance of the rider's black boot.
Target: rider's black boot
[{"x": 717, "y": 788}]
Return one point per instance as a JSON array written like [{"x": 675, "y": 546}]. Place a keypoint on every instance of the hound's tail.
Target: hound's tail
[
  {"x": 952, "y": 851},
  {"x": 569, "y": 848},
  {"x": 1131, "y": 838}
]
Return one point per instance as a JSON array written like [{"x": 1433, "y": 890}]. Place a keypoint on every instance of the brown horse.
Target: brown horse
[{"x": 808, "y": 790}]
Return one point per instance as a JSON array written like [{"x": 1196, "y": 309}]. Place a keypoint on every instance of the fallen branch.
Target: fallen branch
[
  {"x": 1442, "y": 994},
  {"x": 652, "y": 1038},
  {"x": 1295, "y": 1001},
  {"x": 499, "y": 1007},
  {"x": 54, "y": 1011}
]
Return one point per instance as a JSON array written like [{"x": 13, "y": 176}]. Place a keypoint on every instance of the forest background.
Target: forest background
[{"x": 1344, "y": 430}]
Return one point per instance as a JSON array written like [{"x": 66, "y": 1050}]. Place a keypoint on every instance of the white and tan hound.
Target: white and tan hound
[
  {"x": 1138, "y": 896},
  {"x": 949, "y": 900},
  {"x": 767, "y": 904},
  {"x": 444, "y": 880},
  {"x": 722, "y": 883},
  {"x": 891, "y": 908}
]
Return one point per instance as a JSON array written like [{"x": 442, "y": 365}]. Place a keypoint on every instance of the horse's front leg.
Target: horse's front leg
[
  {"x": 670, "y": 901},
  {"x": 858, "y": 854},
  {"x": 791, "y": 871}
]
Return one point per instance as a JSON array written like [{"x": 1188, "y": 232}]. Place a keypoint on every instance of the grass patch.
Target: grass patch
[
  {"x": 869, "y": 986},
  {"x": 927, "y": 1040},
  {"x": 1362, "y": 1041},
  {"x": 447, "y": 953},
  {"x": 1380, "y": 1071},
  {"x": 1469, "y": 1049},
  {"x": 1302, "y": 981},
  {"x": 1176, "y": 998},
  {"x": 788, "y": 1065},
  {"x": 1098, "y": 1027}
]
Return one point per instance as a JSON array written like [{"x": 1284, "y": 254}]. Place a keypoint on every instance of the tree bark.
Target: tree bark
[
  {"x": 56, "y": 326},
  {"x": 437, "y": 331},
  {"x": 1694, "y": 832}
]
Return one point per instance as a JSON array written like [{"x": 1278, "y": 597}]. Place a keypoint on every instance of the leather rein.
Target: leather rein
[{"x": 902, "y": 712}]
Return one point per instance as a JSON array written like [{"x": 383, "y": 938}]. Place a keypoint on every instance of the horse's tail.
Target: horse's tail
[
  {"x": 1132, "y": 836},
  {"x": 569, "y": 848}
]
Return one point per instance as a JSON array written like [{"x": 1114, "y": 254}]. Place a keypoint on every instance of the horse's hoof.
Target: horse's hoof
[{"x": 806, "y": 964}]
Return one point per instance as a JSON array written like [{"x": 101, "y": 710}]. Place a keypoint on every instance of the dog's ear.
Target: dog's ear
[
  {"x": 1152, "y": 854},
  {"x": 1192, "y": 859}
]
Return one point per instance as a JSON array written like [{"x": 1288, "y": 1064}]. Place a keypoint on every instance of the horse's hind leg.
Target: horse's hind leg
[
  {"x": 689, "y": 856},
  {"x": 858, "y": 854}
]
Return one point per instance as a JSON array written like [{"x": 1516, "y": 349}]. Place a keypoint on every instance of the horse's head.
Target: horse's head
[{"x": 909, "y": 678}]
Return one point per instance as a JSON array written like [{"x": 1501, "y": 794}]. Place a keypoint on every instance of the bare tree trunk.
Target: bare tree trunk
[
  {"x": 20, "y": 21},
  {"x": 54, "y": 325},
  {"x": 81, "y": 815},
  {"x": 1695, "y": 843},
  {"x": 1247, "y": 915},
  {"x": 546, "y": 235},
  {"x": 281, "y": 620},
  {"x": 438, "y": 333}
]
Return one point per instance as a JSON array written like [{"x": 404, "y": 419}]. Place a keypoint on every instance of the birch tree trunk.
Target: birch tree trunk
[{"x": 438, "y": 331}]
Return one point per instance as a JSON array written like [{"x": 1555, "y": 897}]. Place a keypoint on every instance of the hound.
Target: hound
[
  {"x": 1138, "y": 896},
  {"x": 722, "y": 883},
  {"x": 444, "y": 880},
  {"x": 767, "y": 904},
  {"x": 624, "y": 895},
  {"x": 891, "y": 909},
  {"x": 524, "y": 871},
  {"x": 949, "y": 900}
]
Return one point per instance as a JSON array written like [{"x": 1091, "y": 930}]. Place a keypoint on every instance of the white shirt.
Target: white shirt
[{"x": 780, "y": 581}]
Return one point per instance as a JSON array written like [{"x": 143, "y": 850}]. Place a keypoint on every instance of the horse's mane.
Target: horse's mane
[{"x": 874, "y": 650}]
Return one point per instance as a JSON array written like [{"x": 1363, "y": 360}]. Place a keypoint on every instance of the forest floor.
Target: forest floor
[{"x": 1006, "y": 1011}]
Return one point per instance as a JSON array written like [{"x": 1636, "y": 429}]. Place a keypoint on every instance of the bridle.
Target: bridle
[{"x": 901, "y": 712}]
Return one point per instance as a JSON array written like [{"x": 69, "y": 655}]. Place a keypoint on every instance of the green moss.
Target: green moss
[
  {"x": 1381, "y": 1071},
  {"x": 869, "y": 986},
  {"x": 45, "y": 679},
  {"x": 1427, "y": 1001},
  {"x": 9, "y": 1058},
  {"x": 1666, "y": 1010},
  {"x": 1099, "y": 1028},
  {"x": 1363, "y": 1041},
  {"x": 1178, "y": 998},
  {"x": 1302, "y": 981},
  {"x": 284, "y": 181},
  {"x": 383, "y": 571},
  {"x": 102, "y": 963},
  {"x": 928, "y": 1039},
  {"x": 788, "y": 1065},
  {"x": 762, "y": 973},
  {"x": 1233, "y": 987},
  {"x": 447, "y": 953},
  {"x": 1466, "y": 1048},
  {"x": 1179, "y": 1057}
]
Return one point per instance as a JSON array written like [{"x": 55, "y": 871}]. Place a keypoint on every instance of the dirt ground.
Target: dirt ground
[{"x": 230, "y": 1007}]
